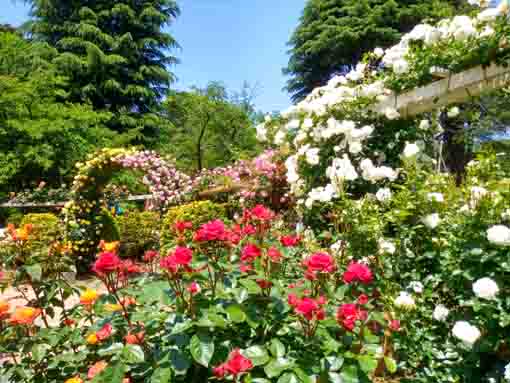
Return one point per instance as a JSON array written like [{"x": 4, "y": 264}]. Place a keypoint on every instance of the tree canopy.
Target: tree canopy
[
  {"x": 41, "y": 136},
  {"x": 334, "y": 34},
  {"x": 115, "y": 55},
  {"x": 210, "y": 127}
]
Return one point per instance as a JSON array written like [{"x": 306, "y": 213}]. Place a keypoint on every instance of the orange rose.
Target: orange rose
[
  {"x": 96, "y": 369},
  {"x": 4, "y": 309},
  {"x": 128, "y": 301},
  {"x": 24, "y": 315},
  {"x": 135, "y": 338}
]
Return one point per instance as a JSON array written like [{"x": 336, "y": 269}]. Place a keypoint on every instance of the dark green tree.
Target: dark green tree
[
  {"x": 334, "y": 34},
  {"x": 115, "y": 55},
  {"x": 40, "y": 136},
  {"x": 210, "y": 127}
]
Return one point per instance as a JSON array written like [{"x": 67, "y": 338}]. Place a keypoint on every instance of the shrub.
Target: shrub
[
  {"x": 197, "y": 213},
  {"x": 109, "y": 229},
  {"x": 139, "y": 231},
  {"x": 237, "y": 303},
  {"x": 45, "y": 228}
]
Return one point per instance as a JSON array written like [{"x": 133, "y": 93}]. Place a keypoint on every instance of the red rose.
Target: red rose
[
  {"x": 106, "y": 263},
  {"x": 264, "y": 284},
  {"x": 347, "y": 315},
  {"x": 182, "y": 226},
  {"x": 250, "y": 252},
  {"x": 150, "y": 255},
  {"x": 307, "y": 307},
  {"x": 358, "y": 272},
  {"x": 274, "y": 254},
  {"x": 363, "y": 299},
  {"x": 105, "y": 332},
  {"x": 319, "y": 262},
  {"x": 249, "y": 230},
  {"x": 262, "y": 213},
  {"x": 290, "y": 240},
  {"x": 194, "y": 288},
  {"x": 292, "y": 300},
  {"x": 245, "y": 267},
  {"x": 237, "y": 363},
  {"x": 394, "y": 325},
  {"x": 211, "y": 231},
  {"x": 183, "y": 255}
]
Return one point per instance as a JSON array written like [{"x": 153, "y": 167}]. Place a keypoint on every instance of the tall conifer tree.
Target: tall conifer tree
[{"x": 115, "y": 54}]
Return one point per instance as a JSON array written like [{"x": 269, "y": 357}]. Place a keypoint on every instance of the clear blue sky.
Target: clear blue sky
[{"x": 225, "y": 40}]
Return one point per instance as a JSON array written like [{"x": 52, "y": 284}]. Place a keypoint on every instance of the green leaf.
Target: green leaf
[
  {"x": 162, "y": 375},
  {"x": 257, "y": 354},
  {"x": 202, "y": 349},
  {"x": 340, "y": 292},
  {"x": 349, "y": 374},
  {"x": 367, "y": 363},
  {"x": 251, "y": 286},
  {"x": 133, "y": 353},
  {"x": 179, "y": 361},
  {"x": 236, "y": 314},
  {"x": 111, "y": 350},
  {"x": 303, "y": 376},
  {"x": 39, "y": 351},
  {"x": 288, "y": 377},
  {"x": 111, "y": 374},
  {"x": 333, "y": 377},
  {"x": 277, "y": 366},
  {"x": 391, "y": 365},
  {"x": 334, "y": 363},
  {"x": 35, "y": 271},
  {"x": 277, "y": 348}
]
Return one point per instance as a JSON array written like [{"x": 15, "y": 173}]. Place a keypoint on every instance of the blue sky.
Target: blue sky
[{"x": 225, "y": 40}]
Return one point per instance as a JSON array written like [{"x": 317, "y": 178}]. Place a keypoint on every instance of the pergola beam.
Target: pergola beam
[{"x": 453, "y": 89}]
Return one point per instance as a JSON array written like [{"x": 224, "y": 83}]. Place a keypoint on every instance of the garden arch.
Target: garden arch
[{"x": 83, "y": 213}]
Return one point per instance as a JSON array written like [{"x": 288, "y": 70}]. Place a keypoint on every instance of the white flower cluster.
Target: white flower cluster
[
  {"x": 308, "y": 129},
  {"x": 499, "y": 235},
  {"x": 405, "y": 301},
  {"x": 466, "y": 332},
  {"x": 485, "y": 288}
]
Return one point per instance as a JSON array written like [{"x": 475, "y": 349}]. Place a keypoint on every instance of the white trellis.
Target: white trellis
[{"x": 452, "y": 89}]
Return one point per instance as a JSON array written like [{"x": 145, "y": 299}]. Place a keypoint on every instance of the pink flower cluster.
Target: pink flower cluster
[
  {"x": 307, "y": 307},
  {"x": 165, "y": 182},
  {"x": 318, "y": 263}
]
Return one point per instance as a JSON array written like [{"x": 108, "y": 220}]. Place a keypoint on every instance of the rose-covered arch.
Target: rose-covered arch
[{"x": 83, "y": 213}]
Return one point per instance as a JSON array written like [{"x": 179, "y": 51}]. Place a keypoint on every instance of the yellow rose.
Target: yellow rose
[
  {"x": 76, "y": 379},
  {"x": 92, "y": 339}
]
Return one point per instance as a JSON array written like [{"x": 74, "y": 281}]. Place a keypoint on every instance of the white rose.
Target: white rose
[
  {"x": 405, "y": 301},
  {"x": 453, "y": 112},
  {"x": 507, "y": 372},
  {"x": 379, "y": 52},
  {"x": 466, "y": 333},
  {"x": 401, "y": 66},
  {"x": 416, "y": 286},
  {"x": 424, "y": 125},
  {"x": 279, "y": 137},
  {"x": 440, "y": 313},
  {"x": 386, "y": 247},
  {"x": 410, "y": 150},
  {"x": 391, "y": 113},
  {"x": 485, "y": 288},
  {"x": 261, "y": 132},
  {"x": 499, "y": 235},
  {"x": 438, "y": 197},
  {"x": 383, "y": 194},
  {"x": 312, "y": 156},
  {"x": 431, "y": 220}
]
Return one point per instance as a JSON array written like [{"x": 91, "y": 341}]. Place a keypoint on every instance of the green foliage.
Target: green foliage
[
  {"x": 40, "y": 136},
  {"x": 197, "y": 213},
  {"x": 139, "y": 231},
  {"x": 209, "y": 128},
  {"x": 115, "y": 55},
  {"x": 109, "y": 228},
  {"x": 333, "y": 35},
  {"x": 46, "y": 228}
]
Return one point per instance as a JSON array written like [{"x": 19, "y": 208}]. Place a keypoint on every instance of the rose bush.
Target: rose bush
[{"x": 245, "y": 302}]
